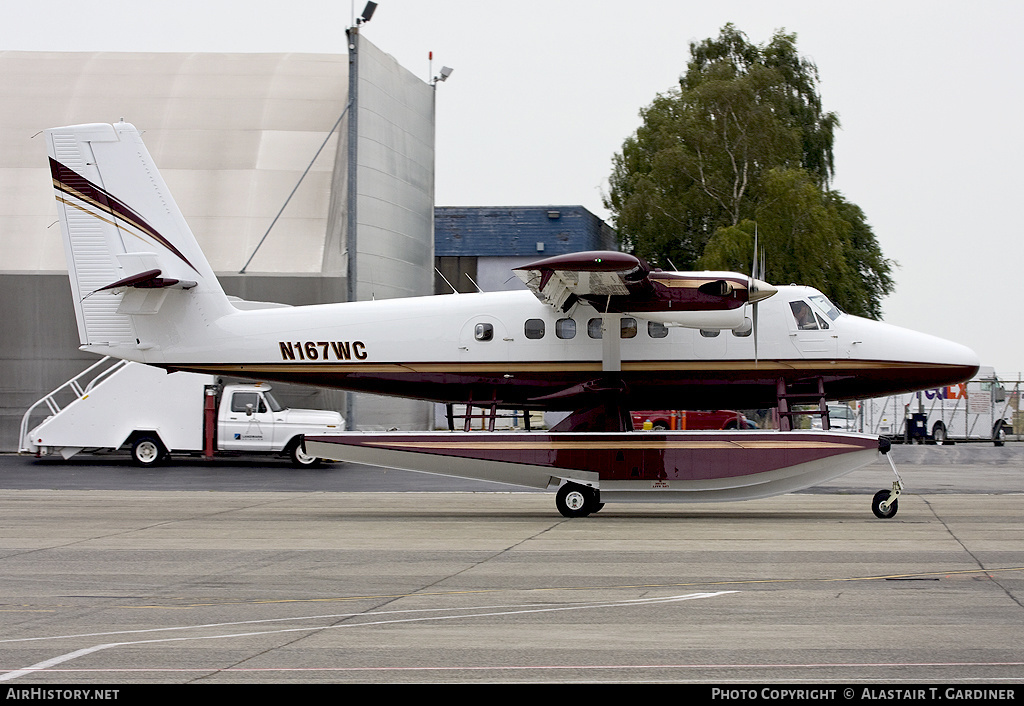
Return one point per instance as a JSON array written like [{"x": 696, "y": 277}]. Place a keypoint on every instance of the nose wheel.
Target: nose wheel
[
  {"x": 886, "y": 502},
  {"x": 574, "y": 500}
]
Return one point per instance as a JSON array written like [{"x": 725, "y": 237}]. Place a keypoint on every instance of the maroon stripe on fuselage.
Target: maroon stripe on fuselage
[{"x": 660, "y": 385}]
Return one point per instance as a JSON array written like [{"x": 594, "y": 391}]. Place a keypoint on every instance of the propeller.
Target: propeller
[{"x": 757, "y": 288}]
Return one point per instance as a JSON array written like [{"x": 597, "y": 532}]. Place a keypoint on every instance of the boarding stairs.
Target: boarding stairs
[{"x": 74, "y": 389}]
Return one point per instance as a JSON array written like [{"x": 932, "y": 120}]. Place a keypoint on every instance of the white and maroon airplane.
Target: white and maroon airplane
[{"x": 599, "y": 333}]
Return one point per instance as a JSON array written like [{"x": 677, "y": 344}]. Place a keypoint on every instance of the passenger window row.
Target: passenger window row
[{"x": 566, "y": 328}]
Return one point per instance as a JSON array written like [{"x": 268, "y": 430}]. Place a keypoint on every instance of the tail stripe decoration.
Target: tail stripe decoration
[{"x": 71, "y": 183}]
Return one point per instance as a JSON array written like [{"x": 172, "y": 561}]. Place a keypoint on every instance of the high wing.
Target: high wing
[{"x": 621, "y": 283}]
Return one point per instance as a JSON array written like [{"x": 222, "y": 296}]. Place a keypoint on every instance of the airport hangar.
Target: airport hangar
[{"x": 233, "y": 135}]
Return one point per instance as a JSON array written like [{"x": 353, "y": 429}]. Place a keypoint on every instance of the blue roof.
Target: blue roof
[{"x": 517, "y": 231}]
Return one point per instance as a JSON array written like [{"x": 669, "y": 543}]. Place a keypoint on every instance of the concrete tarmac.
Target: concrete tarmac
[{"x": 151, "y": 584}]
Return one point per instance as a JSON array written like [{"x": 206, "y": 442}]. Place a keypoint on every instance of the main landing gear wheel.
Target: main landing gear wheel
[
  {"x": 573, "y": 500},
  {"x": 882, "y": 506}
]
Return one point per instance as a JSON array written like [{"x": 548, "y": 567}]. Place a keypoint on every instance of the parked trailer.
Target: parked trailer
[
  {"x": 155, "y": 413},
  {"x": 978, "y": 410}
]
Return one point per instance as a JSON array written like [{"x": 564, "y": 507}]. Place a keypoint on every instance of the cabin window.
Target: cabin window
[
  {"x": 627, "y": 327},
  {"x": 565, "y": 328},
  {"x": 709, "y": 332},
  {"x": 241, "y": 401},
  {"x": 483, "y": 332},
  {"x": 534, "y": 328},
  {"x": 656, "y": 329},
  {"x": 821, "y": 322},
  {"x": 803, "y": 315},
  {"x": 742, "y": 332}
]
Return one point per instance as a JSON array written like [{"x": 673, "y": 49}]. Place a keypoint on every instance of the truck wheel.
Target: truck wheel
[
  {"x": 999, "y": 434},
  {"x": 300, "y": 458},
  {"x": 147, "y": 451},
  {"x": 939, "y": 433}
]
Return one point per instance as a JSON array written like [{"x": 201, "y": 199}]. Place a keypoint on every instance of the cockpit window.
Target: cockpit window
[
  {"x": 803, "y": 315},
  {"x": 827, "y": 307}
]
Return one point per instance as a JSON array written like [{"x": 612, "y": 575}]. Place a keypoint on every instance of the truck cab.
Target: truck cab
[{"x": 251, "y": 419}]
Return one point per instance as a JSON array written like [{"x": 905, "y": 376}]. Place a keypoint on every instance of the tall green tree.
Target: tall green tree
[{"x": 744, "y": 139}]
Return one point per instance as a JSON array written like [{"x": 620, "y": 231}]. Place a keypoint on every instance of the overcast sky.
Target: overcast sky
[{"x": 929, "y": 95}]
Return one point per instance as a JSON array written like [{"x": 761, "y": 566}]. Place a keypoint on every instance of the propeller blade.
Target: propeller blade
[
  {"x": 757, "y": 289},
  {"x": 754, "y": 318}
]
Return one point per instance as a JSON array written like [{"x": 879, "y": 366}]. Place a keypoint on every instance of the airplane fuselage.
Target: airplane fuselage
[{"x": 511, "y": 347}]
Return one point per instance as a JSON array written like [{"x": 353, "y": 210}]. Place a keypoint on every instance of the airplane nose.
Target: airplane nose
[
  {"x": 917, "y": 361},
  {"x": 937, "y": 350}
]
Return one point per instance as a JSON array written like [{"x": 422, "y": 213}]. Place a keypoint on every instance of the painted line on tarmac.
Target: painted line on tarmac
[
  {"x": 1013, "y": 678},
  {"x": 493, "y": 612}
]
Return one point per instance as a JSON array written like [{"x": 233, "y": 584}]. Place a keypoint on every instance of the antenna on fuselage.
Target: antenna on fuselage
[
  {"x": 466, "y": 274},
  {"x": 454, "y": 290}
]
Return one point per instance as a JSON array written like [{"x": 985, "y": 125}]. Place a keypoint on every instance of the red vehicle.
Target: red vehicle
[{"x": 692, "y": 419}]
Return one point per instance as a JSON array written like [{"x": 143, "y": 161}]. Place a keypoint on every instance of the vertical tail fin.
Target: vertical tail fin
[{"x": 135, "y": 266}]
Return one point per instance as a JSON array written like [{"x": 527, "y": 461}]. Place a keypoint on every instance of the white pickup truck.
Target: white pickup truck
[{"x": 155, "y": 414}]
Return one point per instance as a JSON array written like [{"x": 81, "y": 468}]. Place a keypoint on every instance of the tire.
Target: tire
[
  {"x": 300, "y": 459},
  {"x": 147, "y": 451},
  {"x": 659, "y": 426},
  {"x": 876, "y": 505},
  {"x": 573, "y": 500},
  {"x": 999, "y": 434},
  {"x": 939, "y": 433}
]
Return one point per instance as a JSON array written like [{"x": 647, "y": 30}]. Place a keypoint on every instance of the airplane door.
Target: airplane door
[
  {"x": 812, "y": 334},
  {"x": 483, "y": 339},
  {"x": 248, "y": 424}
]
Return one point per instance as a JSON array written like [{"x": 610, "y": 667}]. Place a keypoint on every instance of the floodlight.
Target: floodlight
[{"x": 367, "y": 12}]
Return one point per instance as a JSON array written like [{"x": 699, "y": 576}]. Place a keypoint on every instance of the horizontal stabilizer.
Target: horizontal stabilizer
[{"x": 150, "y": 279}]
